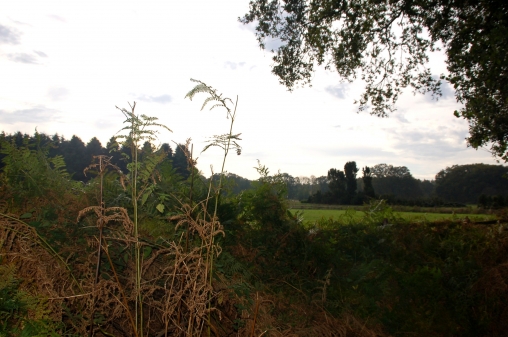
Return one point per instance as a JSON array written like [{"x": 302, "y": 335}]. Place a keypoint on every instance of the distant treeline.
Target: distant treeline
[
  {"x": 454, "y": 186},
  {"x": 78, "y": 155}
]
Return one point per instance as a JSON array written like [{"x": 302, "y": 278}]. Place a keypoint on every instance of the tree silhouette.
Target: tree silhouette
[{"x": 368, "y": 189}]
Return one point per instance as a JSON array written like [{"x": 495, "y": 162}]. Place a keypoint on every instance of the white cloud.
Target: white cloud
[
  {"x": 9, "y": 35},
  {"x": 338, "y": 90},
  {"x": 161, "y": 99},
  {"x": 57, "y": 18},
  {"x": 23, "y": 58},
  {"x": 34, "y": 115},
  {"x": 58, "y": 94}
]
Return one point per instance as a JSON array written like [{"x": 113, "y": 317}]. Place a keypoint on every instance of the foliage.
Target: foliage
[
  {"x": 368, "y": 189},
  {"x": 142, "y": 175},
  {"x": 15, "y": 306},
  {"x": 350, "y": 171},
  {"x": 396, "y": 182},
  {"x": 422, "y": 278},
  {"x": 30, "y": 172},
  {"x": 337, "y": 185},
  {"x": 492, "y": 202},
  {"x": 465, "y": 183},
  {"x": 385, "y": 170},
  {"x": 386, "y": 44}
]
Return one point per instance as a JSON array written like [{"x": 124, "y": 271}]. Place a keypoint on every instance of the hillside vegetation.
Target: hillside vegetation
[{"x": 145, "y": 250}]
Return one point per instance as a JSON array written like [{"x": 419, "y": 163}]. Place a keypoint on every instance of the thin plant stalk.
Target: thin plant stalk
[
  {"x": 103, "y": 163},
  {"x": 124, "y": 298},
  {"x": 138, "y": 130},
  {"x": 99, "y": 252}
]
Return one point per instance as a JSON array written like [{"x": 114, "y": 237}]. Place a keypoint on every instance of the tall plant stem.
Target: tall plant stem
[
  {"x": 134, "y": 176},
  {"x": 99, "y": 252},
  {"x": 191, "y": 161},
  {"x": 226, "y": 151},
  {"x": 217, "y": 196}
]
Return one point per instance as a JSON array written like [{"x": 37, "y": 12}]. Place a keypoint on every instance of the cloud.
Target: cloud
[
  {"x": 58, "y": 94},
  {"x": 104, "y": 124},
  {"x": 162, "y": 99},
  {"x": 251, "y": 26},
  {"x": 339, "y": 90},
  {"x": 431, "y": 143},
  {"x": 40, "y": 53},
  {"x": 57, "y": 18},
  {"x": 400, "y": 117},
  {"x": 38, "y": 114},
  {"x": 26, "y": 57},
  {"x": 359, "y": 153},
  {"x": 447, "y": 91},
  {"x": 233, "y": 65},
  {"x": 23, "y": 58},
  {"x": 8, "y": 36},
  {"x": 272, "y": 44}
]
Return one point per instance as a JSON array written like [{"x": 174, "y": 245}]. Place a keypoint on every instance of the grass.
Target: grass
[
  {"x": 312, "y": 215},
  {"x": 469, "y": 209}
]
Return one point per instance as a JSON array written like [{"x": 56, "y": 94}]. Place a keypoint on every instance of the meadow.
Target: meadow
[{"x": 311, "y": 216}]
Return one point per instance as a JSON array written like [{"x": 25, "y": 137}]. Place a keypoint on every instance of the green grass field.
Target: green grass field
[{"x": 312, "y": 215}]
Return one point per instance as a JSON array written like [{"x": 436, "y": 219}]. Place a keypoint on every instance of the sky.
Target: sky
[{"x": 66, "y": 65}]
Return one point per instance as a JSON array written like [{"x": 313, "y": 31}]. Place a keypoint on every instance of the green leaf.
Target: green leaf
[
  {"x": 26, "y": 216},
  {"x": 160, "y": 208},
  {"x": 145, "y": 196},
  {"x": 146, "y": 252}
]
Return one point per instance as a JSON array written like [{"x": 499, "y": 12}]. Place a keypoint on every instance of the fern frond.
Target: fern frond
[
  {"x": 210, "y": 99},
  {"x": 201, "y": 87},
  {"x": 219, "y": 105}
]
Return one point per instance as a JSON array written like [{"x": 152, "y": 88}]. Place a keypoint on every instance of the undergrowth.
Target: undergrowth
[{"x": 149, "y": 253}]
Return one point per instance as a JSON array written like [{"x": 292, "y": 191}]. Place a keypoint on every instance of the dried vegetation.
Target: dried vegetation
[{"x": 75, "y": 262}]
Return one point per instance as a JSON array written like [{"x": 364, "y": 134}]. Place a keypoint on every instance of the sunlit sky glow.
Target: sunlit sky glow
[{"x": 65, "y": 64}]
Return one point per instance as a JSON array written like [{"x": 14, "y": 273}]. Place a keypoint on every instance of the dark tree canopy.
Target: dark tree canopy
[
  {"x": 368, "y": 189},
  {"x": 385, "y": 170},
  {"x": 336, "y": 185},
  {"x": 180, "y": 162},
  {"x": 397, "y": 181},
  {"x": 386, "y": 44},
  {"x": 350, "y": 171},
  {"x": 465, "y": 183}
]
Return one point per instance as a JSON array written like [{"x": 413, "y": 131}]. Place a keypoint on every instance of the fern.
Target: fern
[
  {"x": 29, "y": 171},
  {"x": 214, "y": 97},
  {"x": 20, "y": 313},
  {"x": 140, "y": 128}
]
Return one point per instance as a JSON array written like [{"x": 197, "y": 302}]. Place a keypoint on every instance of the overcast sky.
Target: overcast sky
[{"x": 64, "y": 65}]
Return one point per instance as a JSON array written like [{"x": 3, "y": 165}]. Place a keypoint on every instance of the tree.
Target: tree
[
  {"x": 368, "y": 189},
  {"x": 465, "y": 183},
  {"x": 336, "y": 185},
  {"x": 180, "y": 162},
  {"x": 74, "y": 153},
  {"x": 350, "y": 171},
  {"x": 114, "y": 150},
  {"x": 395, "y": 181},
  {"x": 384, "y": 170},
  {"x": 386, "y": 44},
  {"x": 94, "y": 148},
  {"x": 168, "y": 150},
  {"x": 427, "y": 187}
]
